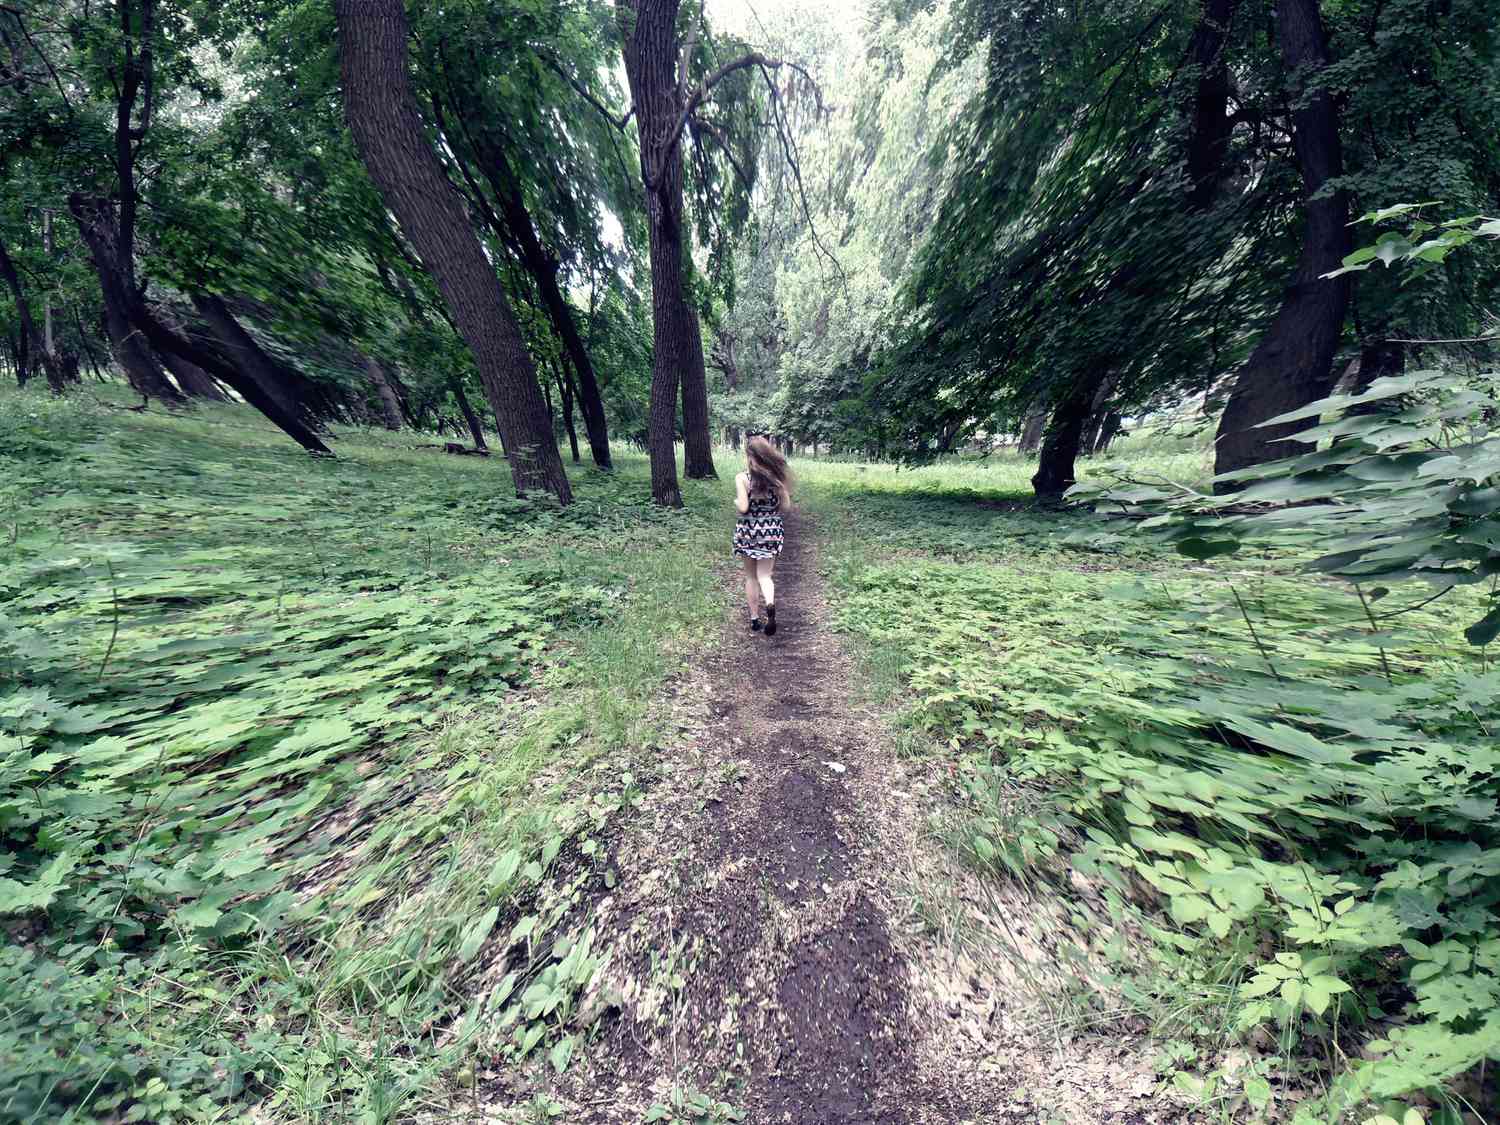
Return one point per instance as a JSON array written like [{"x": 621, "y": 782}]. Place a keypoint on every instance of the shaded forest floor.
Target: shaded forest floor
[{"x": 360, "y": 791}]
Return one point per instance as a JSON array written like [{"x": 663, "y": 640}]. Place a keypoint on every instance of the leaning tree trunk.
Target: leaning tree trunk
[
  {"x": 165, "y": 339},
  {"x": 1292, "y": 365},
  {"x": 194, "y": 381},
  {"x": 476, "y": 431},
  {"x": 383, "y": 116},
  {"x": 649, "y": 31},
  {"x": 97, "y": 226},
  {"x": 390, "y": 405},
  {"x": 543, "y": 268},
  {"x": 1054, "y": 472},
  {"x": 288, "y": 387}
]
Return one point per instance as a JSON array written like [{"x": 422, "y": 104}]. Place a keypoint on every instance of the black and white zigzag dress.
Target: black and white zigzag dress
[{"x": 758, "y": 534}]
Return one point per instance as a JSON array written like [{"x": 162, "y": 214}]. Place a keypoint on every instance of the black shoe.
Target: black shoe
[
  {"x": 755, "y": 624},
  {"x": 770, "y": 620}
]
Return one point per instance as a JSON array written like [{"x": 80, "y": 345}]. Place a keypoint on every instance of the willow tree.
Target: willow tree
[
  {"x": 667, "y": 106},
  {"x": 388, "y": 129},
  {"x": 1292, "y": 365}
]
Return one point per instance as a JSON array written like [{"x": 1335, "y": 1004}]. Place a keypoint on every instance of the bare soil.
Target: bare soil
[{"x": 788, "y": 936}]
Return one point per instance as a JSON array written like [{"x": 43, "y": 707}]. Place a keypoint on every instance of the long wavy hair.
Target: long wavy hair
[{"x": 768, "y": 470}]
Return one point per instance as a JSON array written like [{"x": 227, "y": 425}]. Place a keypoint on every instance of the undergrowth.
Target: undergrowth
[
  {"x": 305, "y": 764},
  {"x": 1298, "y": 811}
]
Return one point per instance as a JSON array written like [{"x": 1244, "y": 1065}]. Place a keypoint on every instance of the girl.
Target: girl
[{"x": 760, "y": 493}]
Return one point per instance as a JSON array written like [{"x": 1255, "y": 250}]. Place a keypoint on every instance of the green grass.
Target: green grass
[
  {"x": 1006, "y": 474},
  {"x": 303, "y": 763},
  {"x": 1297, "y": 811}
]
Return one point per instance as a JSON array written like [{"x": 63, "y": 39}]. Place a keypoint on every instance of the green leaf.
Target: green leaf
[
  {"x": 475, "y": 933},
  {"x": 561, "y": 1053},
  {"x": 1483, "y": 631},
  {"x": 1196, "y": 547}
]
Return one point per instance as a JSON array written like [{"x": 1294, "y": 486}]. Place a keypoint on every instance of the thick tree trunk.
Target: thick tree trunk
[
  {"x": 383, "y": 116},
  {"x": 233, "y": 341},
  {"x": 1208, "y": 141},
  {"x": 1032, "y": 430},
  {"x": 101, "y": 234},
  {"x": 1292, "y": 365},
  {"x": 390, "y": 405},
  {"x": 1054, "y": 473},
  {"x": 649, "y": 31},
  {"x": 167, "y": 340},
  {"x": 192, "y": 379}
]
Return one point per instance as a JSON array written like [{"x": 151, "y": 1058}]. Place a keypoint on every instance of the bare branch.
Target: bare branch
[
  {"x": 719, "y": 135},
  {"x": 583, "y": 92}
]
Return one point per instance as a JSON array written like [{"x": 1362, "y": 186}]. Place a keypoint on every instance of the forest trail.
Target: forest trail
[{"x": 776, "y": 923}]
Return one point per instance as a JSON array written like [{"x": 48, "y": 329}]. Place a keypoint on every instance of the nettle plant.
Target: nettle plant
[{"x": 1398, "y": 503}]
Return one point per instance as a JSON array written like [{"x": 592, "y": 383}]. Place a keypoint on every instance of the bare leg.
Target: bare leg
[
  {"x": 751, "y": 592},
  {"x": 763, "y": 568}
]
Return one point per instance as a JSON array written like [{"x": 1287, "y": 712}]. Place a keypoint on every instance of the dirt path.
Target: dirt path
[{"x": 777, "y": 917}]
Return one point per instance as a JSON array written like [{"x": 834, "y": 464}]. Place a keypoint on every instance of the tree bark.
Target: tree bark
[
  {"x": 1113, "y": 421},
  {"x": 166, "y": 339},
  {"x": 102, "y": 235},
  {"x": 388, "y": 130},
  {"x": 1292, "y": 365},
  {"x": 233, "y": 341},
  {"x": 565, "y": 388},
  {"x": 1032, "y": 430},
  {"x": 28, "y": 342},
  {"x": 1054, "y": 473},
  {"x": 192, "y": 379},
  {"x": 476, "y": 431},
  {"x": 649, "y": 32},
  {"x": 390, "y": 405},
  {"x": 1379, "y": 359},
  {"x": 1208, "y": 141},
  {"x": 543, "y": 267}
]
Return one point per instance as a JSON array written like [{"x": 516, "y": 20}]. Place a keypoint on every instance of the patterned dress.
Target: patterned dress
[{"x": 758, "y": 534}]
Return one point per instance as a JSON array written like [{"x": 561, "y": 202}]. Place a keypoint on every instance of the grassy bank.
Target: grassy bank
[
  {"x": 305, "y": 765},
  {"x": 1295, "y": 807}
]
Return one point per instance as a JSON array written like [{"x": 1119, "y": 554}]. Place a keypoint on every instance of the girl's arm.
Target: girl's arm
[{"x": 742, "y": 493}]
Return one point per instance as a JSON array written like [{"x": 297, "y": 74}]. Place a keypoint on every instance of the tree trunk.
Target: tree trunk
[
  {"x": 192, "y": 379},
  {"x": 470, "y": 418},
  {"x": 1109, "y": 431},
  {"x": 1379, "y": 359},
  {"x": 1292, "y": 365},
  {"x": 1033, "y": 429},
  {"x": 100, "y": 231},
  {"x": 28, "y": 342},
  {"x": 390, "y": 405},
  {"x": 234, "y": 342},
  {"x": 383, "y": 117},
  {"x": 543, "y": 268},
  {"x": 565, "y": 388},
  {"x": 1208, "y": 141},
  {"x": 166, "y": 339},
  {"x": 649, "y": 31},
  {"x": 1054, "y": 472},
  {"x": 1093, "y": 426}
]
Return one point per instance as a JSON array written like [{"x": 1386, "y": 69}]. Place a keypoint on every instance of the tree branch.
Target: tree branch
[{"x": 583, "y": 92}]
